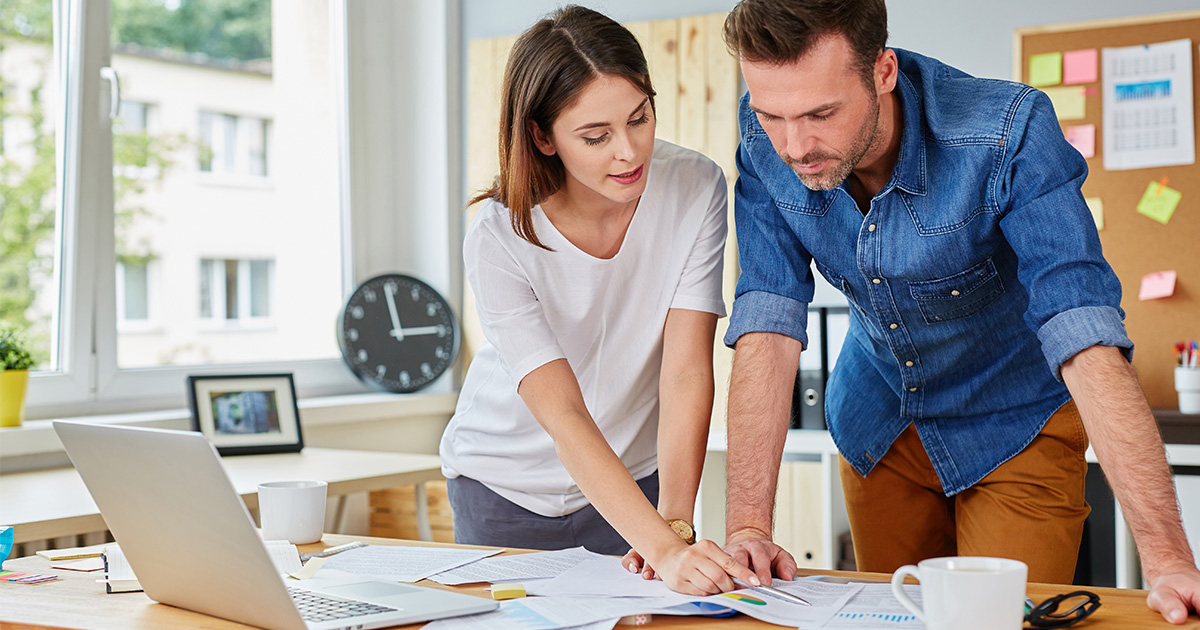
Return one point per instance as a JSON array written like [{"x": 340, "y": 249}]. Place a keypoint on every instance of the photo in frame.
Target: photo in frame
[{"x": 246, "y": 414}]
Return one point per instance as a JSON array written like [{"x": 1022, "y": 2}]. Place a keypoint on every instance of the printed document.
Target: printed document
[
  {"x": 875, "y": 607},
  {"x": 526, "y": 566},
  {"x": 404, "y": 564},
  {"x": 1148, "y": 115}
]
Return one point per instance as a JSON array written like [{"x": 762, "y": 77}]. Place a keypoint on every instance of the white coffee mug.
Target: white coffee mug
[
  {"x": 292, "y": 510},
  {"x": 966, "y": 592},
  {"x": 1187, "y": 383}
]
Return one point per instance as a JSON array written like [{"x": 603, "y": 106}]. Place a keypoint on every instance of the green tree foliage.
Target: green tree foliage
[{"x": 220, "y": 29}]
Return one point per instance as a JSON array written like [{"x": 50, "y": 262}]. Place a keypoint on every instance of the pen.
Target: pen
[
  {"x": 771, "y": 590},
  {"x": 329, "y": 551}
]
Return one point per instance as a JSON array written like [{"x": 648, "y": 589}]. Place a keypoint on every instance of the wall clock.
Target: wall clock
[{"x": 397, "y": 333}]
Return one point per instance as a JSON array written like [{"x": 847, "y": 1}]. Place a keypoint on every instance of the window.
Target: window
[
  {"x": 235, "y": 291},
  {"x": 100, "y": 246},
  {"x": 234, "y": 145}
]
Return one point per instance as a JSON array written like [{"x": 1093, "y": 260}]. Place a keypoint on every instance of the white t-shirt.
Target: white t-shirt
[{"x": 605, "y": 317}]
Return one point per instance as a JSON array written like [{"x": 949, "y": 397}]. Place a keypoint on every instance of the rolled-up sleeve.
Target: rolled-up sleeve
[
  {"x": 776, "y": 284},
  {"x": 1074, "y": 295}
]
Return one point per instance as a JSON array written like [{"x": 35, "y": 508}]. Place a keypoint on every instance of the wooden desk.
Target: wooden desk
[
  {"x": 51, "y": 503},
  {"x": 77, "y": 601}
]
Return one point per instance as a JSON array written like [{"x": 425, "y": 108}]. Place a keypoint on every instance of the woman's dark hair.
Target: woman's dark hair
[
  {"x": 781, "y": 31},
  {"x": 550, "y": 64}
]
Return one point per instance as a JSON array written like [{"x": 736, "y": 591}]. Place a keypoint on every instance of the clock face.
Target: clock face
[{"x": 397, "y": 333}]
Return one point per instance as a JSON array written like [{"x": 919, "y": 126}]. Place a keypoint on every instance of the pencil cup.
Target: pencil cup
[
  {"x": 292, "y": 510},
  {"x": 1187, "y": 383}
]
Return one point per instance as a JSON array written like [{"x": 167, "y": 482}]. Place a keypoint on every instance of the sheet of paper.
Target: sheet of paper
[
  {"x": 1045, "y": 69},
  {"x": 284, "y": 554},
  {"x": 1080, "y": 66},
  {"x": 118, "y": 566},
  {"x": 537, "y": 613},
  {"x": 72, "y": 553},
  {"x": 1159, "y": 284},
  {"x": 826, "y": 599},
  {"x": 875, "y": 607},
  {"x": 404, "y": 564},
  {"x": 605, "y": 577},
  {"x": 1083, "y": 138},
  {"x": 1070, "y": 103},
  {"x": 545, "y": 564},
  {"x": 87, "y": 565},
  {"x": 1096, "y": 205},
  {"x": 1148, "y": 115},
  {"x": 1159, "y": 202}
]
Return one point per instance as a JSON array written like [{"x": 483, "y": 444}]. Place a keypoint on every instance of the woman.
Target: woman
[{"x": 596, "y": 264}]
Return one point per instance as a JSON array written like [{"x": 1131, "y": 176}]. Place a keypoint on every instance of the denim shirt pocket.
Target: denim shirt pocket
[
  {"x": 962, "y": 294},
  {"x": 838, "y": 283}
]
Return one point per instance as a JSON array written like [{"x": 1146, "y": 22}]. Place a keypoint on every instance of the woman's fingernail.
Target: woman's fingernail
[
  {"x": 754, "y": 581},
  {"x": 632, "y": 569}
]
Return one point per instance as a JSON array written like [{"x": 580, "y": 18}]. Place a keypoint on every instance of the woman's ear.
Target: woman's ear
[{"x": 540, "y": 139}]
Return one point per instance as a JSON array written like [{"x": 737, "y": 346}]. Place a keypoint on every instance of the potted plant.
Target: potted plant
[{"x": 15, "y": 362}]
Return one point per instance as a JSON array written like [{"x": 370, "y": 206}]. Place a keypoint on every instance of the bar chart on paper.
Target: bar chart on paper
[{"x": 874, "y": 620}]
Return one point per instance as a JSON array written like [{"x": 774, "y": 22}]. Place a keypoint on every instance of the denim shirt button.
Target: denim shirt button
[
  {"x": 955, "y": 293},
  {"x": 871, "y": 228},
  {"x": 912, "y": 389},
  {"x": 876, "y": 280},
  {"x": 893, "y": 326},
  {"x": 908, "y": 363}
]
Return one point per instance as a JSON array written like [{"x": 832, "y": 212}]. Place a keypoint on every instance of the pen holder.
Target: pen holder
[{"x": 1187, "y": 383}]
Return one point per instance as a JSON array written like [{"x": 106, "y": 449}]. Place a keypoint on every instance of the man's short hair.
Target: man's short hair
[{"x": 782, "y": 31}]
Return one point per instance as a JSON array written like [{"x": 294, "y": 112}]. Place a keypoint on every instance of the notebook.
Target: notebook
[{"x": 189, "y": 538}]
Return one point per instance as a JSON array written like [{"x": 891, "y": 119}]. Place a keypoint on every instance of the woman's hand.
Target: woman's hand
[{"x": 699, "y": 569}]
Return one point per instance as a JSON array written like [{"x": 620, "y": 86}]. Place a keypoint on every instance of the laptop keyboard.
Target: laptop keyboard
[{"x": 316, "y": 607}]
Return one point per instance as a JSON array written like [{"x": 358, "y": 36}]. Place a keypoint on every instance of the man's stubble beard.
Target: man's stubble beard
[{"x": 843, "y": 167}]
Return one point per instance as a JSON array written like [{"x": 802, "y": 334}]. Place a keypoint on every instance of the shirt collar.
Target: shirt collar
[{"x": 909, "y": 172}]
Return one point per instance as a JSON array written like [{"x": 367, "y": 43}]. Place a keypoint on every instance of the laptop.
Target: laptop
[{"x": 192, "y": 544}]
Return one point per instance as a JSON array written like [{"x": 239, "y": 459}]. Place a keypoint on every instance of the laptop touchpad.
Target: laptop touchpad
[{"x": 370, "y": 589}]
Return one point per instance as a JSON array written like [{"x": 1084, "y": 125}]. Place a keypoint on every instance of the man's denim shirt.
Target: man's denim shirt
[{"x": 975, "y": 274}]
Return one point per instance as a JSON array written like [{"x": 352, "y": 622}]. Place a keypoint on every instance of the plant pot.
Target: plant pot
[{"x": 13, "y": 384}]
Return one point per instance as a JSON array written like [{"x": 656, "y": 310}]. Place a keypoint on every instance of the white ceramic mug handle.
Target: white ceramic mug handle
[{"x": 898, "y": 589}]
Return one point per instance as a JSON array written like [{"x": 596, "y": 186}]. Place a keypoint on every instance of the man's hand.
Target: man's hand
[
  {"x": 753, "y": 548},
  {"x": 1174, "y": 594}
]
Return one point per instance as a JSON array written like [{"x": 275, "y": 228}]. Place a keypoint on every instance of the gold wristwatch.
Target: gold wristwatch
[{"x": 684, "y": 529}]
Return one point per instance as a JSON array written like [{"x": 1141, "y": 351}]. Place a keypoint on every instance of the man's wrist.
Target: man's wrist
[{"x": 747, "y": 532}]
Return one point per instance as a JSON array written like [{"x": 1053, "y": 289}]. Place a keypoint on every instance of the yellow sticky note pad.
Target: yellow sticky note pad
[
  {"x": 1096, "y": 205},
  {"x": 1069, "y": 102},
  {"x": 508, "y": 591},
  {"x": 1045, "y": 69},
  {"x": 1159, "y": 204}
]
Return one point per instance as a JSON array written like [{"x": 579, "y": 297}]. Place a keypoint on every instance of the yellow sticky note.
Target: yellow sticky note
[
  {"x": 508, "y": 591},
  {"x": 1159, "y": 202},
  {"x": 1069, "y": 102},
  {"x": 1045, "y": 69},
  {"x": 1096, "y": 205},
  {"x": 310, "y": 569}
]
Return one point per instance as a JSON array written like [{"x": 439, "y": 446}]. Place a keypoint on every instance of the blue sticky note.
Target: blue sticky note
[{"x": 6, "y": 542}]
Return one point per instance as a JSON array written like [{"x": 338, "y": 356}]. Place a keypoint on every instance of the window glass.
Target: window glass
[
  {"x": 239, "y": 205},
  {"x": 29, "y": 296},
  {"x": 133, "y": 291}
]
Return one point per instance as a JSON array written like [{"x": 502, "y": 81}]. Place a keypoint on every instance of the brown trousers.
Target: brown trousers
[{"x": 1030, "y": 509}]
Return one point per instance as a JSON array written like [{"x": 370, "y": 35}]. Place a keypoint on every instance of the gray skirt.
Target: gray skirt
[{"x": 482, "y": 517}]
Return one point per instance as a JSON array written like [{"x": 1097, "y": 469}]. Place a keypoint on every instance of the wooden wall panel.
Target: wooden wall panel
[{"x": 664, "y": 74}]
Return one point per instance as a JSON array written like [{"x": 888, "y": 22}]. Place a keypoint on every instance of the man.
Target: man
[{"x": 986, "y": 333}]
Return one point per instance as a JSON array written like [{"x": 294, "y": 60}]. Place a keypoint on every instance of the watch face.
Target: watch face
[{"x": 397, "y": 333}]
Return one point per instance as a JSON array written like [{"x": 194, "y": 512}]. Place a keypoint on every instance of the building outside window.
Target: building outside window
[{"x": 235, "y": 291}]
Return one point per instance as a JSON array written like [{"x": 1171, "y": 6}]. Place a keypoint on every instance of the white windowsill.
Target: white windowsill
[{"x": 37, "y": 437}]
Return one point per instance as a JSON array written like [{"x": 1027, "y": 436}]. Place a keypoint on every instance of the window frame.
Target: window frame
[{"x": 86, "y": 379}]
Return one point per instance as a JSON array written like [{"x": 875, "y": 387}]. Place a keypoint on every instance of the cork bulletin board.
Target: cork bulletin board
[{"x": 1136, "y": 245}]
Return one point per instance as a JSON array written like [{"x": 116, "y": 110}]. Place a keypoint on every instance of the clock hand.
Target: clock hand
[
  {"x": 397, "y": 330},
  {"x": 423, "y": 330}
]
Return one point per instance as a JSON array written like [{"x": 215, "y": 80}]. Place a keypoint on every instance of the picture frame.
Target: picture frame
[{"x": 246, "y": 414}]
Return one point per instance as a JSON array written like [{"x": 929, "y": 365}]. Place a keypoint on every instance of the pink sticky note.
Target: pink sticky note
[
  {"x": 1159, "y": 284},
  {"x": 1083, "y": 138},
  {"x": 1079, "y": 66}
]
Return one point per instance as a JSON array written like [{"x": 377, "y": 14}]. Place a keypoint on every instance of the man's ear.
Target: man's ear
[
  {"x": 540, "y": 139},
  {"x": 887, "y": 70}
]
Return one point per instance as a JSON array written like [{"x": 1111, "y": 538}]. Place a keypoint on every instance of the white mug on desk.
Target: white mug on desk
[
  {"x": 966, "y": 592},
  {"x": 292, "y": 510}
]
